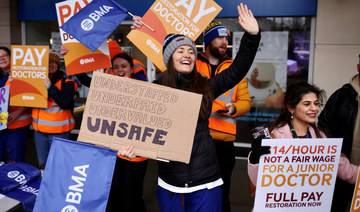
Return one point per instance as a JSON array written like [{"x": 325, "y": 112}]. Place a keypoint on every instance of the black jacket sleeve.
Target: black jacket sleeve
[
  {"x": 65, "y": 97},
  {"x": 228, "y": 78},
  {"x": 84, "y": 79}
]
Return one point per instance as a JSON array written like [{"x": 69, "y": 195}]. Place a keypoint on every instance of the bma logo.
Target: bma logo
[
  {"x": 28, "y": 97},
  {"x": 88, "y": 24},
  {"x": 69, "y": 208},
  {"x": 13, "y": 174}
]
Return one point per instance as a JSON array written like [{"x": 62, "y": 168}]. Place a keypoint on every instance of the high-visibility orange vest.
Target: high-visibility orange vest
[
  {"x": 25, "y": 117},
  {"x": 220, "y": 123},
  {"x": 138, "y": 66},
  {"x": 53, "y": 119}
]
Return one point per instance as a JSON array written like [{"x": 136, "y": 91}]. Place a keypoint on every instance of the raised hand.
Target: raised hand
[
  {"x": 63, "y": 50},
  {"x": 247, "y": 20},
  {"x": 137, "y": 22}
]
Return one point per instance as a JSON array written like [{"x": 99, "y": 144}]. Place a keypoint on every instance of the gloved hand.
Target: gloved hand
[{"x": 257, "y": 150}]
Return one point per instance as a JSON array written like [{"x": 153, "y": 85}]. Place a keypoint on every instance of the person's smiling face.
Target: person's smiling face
[
  {"x": 4, "y": 60},
  {"x": 122, "y": 68},
  {"x": 307, "y": 109},
  {"x": 184, "y": 59}
]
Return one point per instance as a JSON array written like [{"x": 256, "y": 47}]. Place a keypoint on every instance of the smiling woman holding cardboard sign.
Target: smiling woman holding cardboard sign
[{"x": 196, "y": 186}]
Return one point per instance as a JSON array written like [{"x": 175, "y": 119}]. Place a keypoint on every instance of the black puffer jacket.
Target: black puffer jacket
[
  {"x": 203, "y": 166},
  {"x": 337, "y": 121},
  {"x": 338, "y": 117}
]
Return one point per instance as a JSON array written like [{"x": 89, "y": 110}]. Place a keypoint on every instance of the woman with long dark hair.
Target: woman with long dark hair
[
  {"x": 197, "y": 186},
  {"x": 297, "y": 120}
]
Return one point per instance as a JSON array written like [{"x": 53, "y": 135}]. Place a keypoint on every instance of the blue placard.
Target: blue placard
[{"x": 77, "y": 177}]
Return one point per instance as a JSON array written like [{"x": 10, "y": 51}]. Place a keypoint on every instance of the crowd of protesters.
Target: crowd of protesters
[{"x": 204, "y": 183}]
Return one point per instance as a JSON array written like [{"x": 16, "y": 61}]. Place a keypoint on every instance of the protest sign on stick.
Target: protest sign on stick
[
  {"x": 297, "y": 176},
  {"x": 74, "y": 173},
  {"x": 172, "y": 16},
  {"x": 79, "y": 58}
]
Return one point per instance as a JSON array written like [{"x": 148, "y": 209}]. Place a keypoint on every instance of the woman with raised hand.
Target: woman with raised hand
[{"x": 197, "y": 186}]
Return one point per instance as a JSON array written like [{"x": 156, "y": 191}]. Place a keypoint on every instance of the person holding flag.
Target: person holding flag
[
  {"x": 128, "y": 179},
  {"x": 197, "y": 186}
]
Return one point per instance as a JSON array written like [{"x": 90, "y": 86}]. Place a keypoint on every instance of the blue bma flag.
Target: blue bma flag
[
  {"x": 77, "y": 177},
  {"x": 95, "y": 22}
]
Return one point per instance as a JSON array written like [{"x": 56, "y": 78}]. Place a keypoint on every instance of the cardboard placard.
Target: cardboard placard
[
  {"x": 29, "y": 69},
  {"x": 355, "y": 203},
  {"x": 4, "y": 102},
  {"x": 158, "y": 121},
  {"x": 172, "y": 16},
  {"x": 79, "y": 58},
  {"x": 298, "y": 175}
]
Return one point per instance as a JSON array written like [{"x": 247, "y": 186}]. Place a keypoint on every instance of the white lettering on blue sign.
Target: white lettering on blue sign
[
  {"x": 74, "y": 195},
  {"x": 88, "y": 24}
]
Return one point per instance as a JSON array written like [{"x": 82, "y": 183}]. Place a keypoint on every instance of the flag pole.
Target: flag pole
[{"x": 142, "y": 22}]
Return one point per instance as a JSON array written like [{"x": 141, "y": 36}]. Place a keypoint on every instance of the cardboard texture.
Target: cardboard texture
[
  {"x": 79, "y": 58},
  {"x": 29, "y": 69},
  {"x": 172, "y": 16},
  {"x": 158, "y": 121}
]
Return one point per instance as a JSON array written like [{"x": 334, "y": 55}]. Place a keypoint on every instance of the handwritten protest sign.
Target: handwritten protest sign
[
  {"x": 4, "y": 101},
  {"x": 355, "y": 203},
  {"x": 298, "y": 175},
  {"x": 29, "y": 69},
  {"x": 158, "y": 121},
  {"x": 79, "y": 58},
  {"x": 172, "y": 16}
]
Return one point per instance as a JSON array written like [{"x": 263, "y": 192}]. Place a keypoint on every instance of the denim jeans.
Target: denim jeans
[{"x": 43, "y": 143}]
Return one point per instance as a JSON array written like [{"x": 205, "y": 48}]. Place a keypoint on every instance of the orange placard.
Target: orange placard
[
  {"x": 29, "y": 68},
  {"x": 172, "y": 16},
  {"x": 79, "y": 58},
  {"x": 355, "y": 203}
]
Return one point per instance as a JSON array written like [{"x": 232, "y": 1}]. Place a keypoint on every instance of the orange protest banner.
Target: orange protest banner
[
  {"x": 79, "y": 58},
  {"x": 29, "y": 69},
  {"x": 172, "y": 16},
  {"x": 355, "y": 203}
]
